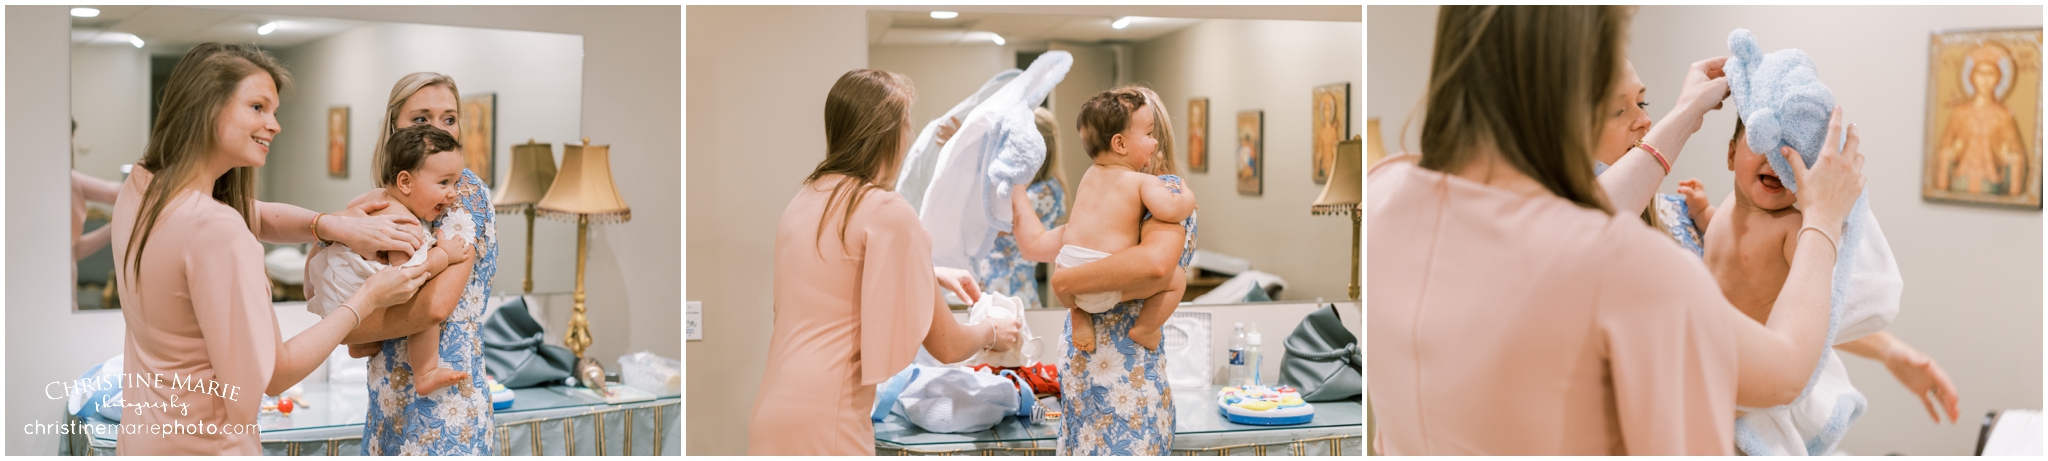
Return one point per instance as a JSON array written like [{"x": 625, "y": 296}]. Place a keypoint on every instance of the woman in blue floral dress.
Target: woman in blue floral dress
[
  {"x": 1005, "y": 270},
  {"x": 456, "y": 420}
]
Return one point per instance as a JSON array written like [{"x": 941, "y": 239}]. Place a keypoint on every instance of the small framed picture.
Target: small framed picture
[
  {"x": 1983, "y": 118},
  {"x": 479, "y": 136},
  {"x": 337, "y": 141},
  {"x": 1198, "y": 135},
  {"x": 1331, "y": 121},
  {"x": 1251, "y": 160}
]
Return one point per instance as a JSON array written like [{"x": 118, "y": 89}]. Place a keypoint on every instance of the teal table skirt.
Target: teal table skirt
[
  {"x": 1336, "y": 430},
  {"x": 543, "y": 421}
]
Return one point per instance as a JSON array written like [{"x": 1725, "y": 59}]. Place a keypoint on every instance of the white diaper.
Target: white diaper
[
  {"x": 337, "y": 272},
  {"x": 1093, "y": 303}
]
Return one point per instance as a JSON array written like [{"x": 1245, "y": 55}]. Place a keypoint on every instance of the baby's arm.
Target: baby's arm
[
  {"x": 1696, "y": 205},
  {"x": 1034, "y": 242},
  {"x": 1168, "y": 199}
]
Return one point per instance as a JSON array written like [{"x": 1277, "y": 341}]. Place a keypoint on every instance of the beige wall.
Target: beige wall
[
  {"x": 942, "y": 75},
  {"x": 113, "y": 117},
  {"x": 527, "y": 70},
  {"x": 630, "y": 97},
  {"x": 1973, "y": 293},
  {"x": 1269, "y": 66},
  {"x": 757, "y": 80}
]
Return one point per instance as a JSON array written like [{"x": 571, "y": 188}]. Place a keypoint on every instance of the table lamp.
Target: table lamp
[
  {"x": 585, "y": 192},
  {"x": 533, "y": 170},
  {"x": 1341, "y": 195}
]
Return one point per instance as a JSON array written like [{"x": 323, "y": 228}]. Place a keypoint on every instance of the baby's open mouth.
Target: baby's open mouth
[{"x": 1771, "y": 182}]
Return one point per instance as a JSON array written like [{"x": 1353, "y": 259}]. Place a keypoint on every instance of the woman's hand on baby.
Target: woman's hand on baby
[
  {"x": 947, "y": 129},
  {"x": 1704, "y": 88},
  {"x": 1829, "y": 189},
  {"x": 958, "y": 281},
  {"x": 391, "y": 286},
  {"x": 457, "y": 249},
  {"x": 1921, "y": 375},
  {"x": 368, "y": 234}
]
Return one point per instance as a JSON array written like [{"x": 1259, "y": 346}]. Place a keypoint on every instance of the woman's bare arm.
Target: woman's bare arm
[
  {"x": 1778, "y": 357},
  {"x": 951, "y": 342},
  {"x": 303, "y": 353},
  {"x": 289, "y": 224},
  {"x": 433, "y": 304},
  {"x": 1139, "y": 270}
]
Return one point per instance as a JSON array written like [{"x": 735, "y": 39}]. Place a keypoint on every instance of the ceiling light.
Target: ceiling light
[
  {"x": 266, "y": 28},
  {"x": 1121, "y": 23},
  {"x": 137, "y": 41},
  {"x": 85, "y": 12},
  {"x": 945, "y": 14},
  {"x": 996, "y": 38}
]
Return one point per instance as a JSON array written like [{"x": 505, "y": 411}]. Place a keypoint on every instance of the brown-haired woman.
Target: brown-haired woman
[
  {"x": 194, "y": 294},
  {"x": 1514, "y": 312},
  {"x": 855, "y": 291}
]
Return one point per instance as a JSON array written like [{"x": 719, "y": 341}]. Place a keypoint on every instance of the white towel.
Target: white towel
[
  {"x": 1001, "y": 306},
  {"x": 1783, "y": 103},
  {"x": 1094, "y": 303},
  {"x": 998, "y": 146},
  {"x": 924, "y": 153}
]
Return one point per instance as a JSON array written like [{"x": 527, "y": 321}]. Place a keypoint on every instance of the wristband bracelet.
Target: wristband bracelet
[
  {"x": 358, "y": 316},
  {"x": 1824, "y": 234},
  {"x": 316, "y": 230},
  {"x": 1666, "y": 163}
]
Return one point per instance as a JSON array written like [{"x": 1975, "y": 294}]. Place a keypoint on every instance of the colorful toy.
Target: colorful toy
[
  {"x": 501, "y": 398},
  {"x": 1263, "y": 406}
]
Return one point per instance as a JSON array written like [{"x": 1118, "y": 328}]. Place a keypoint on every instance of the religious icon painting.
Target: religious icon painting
[{"x": 1983, "y": 124}]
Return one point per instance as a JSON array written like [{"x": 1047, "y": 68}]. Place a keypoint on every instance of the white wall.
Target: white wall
[
  {"x": 534, "y": 75},
  {"x": 113, "y": 108},
  {"x": 942, "y": 75},
  {"x": 1973, "y": 294},
  {"x": 1271, "y": 66},
  {"x": 630, "y": 97}
]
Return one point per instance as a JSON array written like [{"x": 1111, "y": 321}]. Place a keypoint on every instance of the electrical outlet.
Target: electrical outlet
[{"x": 693, "y": 324}]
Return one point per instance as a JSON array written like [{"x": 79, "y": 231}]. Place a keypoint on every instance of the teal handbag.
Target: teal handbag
[
  {"x": 514, "y": 351},
  {"x": 1323, "y": 360}
]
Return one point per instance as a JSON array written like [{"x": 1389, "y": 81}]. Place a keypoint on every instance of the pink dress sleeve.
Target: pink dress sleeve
[
  {"x": 1670, "y": 348},
  {"x": 897, "y": 292},
  {"x": 231, "y": 302}
]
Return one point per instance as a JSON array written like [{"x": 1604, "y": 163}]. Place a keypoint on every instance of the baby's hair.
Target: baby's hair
[
  {"x": 1105, "y": 115},
  {"x": 409, "y": 147},
  {"x": 1738, "y": 130}
]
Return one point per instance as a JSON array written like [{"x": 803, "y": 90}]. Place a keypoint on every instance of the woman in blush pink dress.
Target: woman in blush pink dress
[{"x": 855, "y": 290}]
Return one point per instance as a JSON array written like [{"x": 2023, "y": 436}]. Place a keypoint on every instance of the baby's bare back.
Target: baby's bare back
[
  {"x": 1746, "y": 250},
  {"x": 1107, "y": 210}
]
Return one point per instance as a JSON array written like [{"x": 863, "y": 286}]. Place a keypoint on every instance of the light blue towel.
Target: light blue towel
[
  {"x": 1783, "y": 103},
  {"x": 998, "y": 146},
  {"x": 923, "y": 158}
]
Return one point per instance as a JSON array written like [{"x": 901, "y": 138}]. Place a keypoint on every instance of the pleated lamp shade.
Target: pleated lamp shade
[
  {"x": 584, "y": 187},
  {"x": 533, "y": 171},
  {"x": 1342, "y": 194}
]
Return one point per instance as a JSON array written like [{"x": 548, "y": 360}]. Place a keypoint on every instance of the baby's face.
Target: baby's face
[
  {"x": 1755, "y": 180},
  {"x": 433, "y": 190},
  {"x": 1138, "y": 137}
]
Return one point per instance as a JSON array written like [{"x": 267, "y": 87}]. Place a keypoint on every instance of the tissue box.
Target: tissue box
[{"x": 652, "y": 373}]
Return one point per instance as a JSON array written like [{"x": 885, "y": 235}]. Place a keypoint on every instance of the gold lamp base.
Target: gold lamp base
[{"x": 579, "y": 327}]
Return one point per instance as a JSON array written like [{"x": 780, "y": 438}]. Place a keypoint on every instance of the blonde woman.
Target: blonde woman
[
  {"x": 855, "y": 292},
  {"x": 455, "y": 420},
  {"x": 194, "y": 294}
]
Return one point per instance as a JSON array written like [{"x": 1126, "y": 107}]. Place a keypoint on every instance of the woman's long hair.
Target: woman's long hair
[
  {"x": 867, "y": 115},
  {"x": 182, "y": 139},
  {"x": 403, "y": 90},
  {"x": 1162, "y": 127},
  {"x": 1529, "y": 79}
]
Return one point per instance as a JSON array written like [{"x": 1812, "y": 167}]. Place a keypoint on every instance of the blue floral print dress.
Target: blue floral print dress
[
  {"x": 1005, "y": 270},
  {"x": 1115, "y": 400},
  {"x": 456, "y": 420}
]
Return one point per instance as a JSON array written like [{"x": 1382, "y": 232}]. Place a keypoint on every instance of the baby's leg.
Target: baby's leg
[
  {"x": 1084, "y": 329},
  {"x": 424, "y": 354},
  {"x": 1152, "y": 316}
]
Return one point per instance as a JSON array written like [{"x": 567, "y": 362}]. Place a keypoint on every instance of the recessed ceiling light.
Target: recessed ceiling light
[
  {"x": 85, "y": 12},
  {"x": 995, "y": 38},
  {"x": 1121, "y": 23},
  {"x": 945, "y": 14},
  {"x": 266, "y": 28},
  {"x": 137, "y": 41}
]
